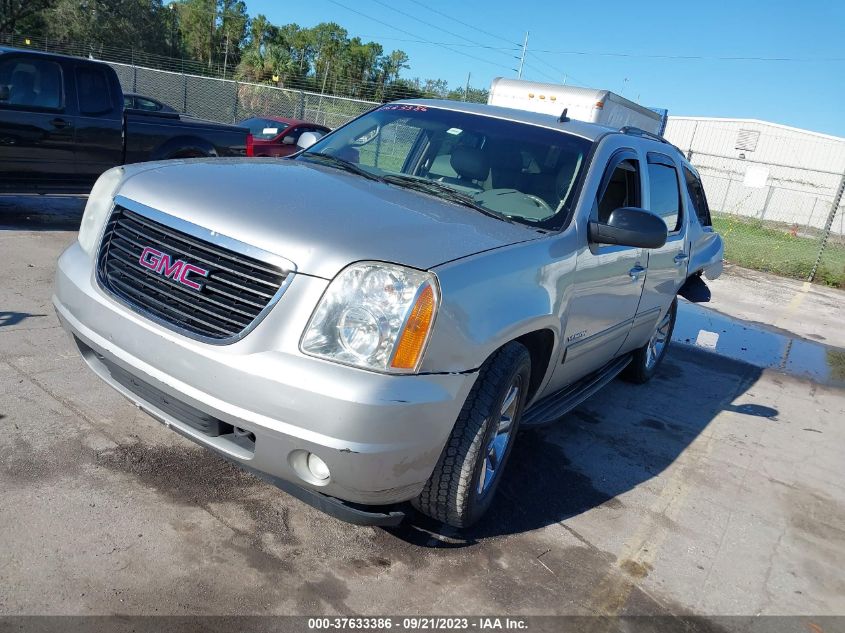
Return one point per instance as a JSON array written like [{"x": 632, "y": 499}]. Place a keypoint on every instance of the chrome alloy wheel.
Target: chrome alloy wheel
[
  {"x": 498, "y": 445},
  {"x": 658, "y": 340}
]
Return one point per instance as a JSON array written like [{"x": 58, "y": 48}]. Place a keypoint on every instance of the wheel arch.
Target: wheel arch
[
  {"x": 184, "y": 147},
  {"x": 540, "y": 345}
]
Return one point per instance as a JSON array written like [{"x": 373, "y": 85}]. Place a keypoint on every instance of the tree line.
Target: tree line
[{"x": 223, "y": 38}]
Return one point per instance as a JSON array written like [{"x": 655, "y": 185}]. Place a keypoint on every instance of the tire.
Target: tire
[
  {"x": 646, "y": 360},
  {"x": 455, "y": 494}
]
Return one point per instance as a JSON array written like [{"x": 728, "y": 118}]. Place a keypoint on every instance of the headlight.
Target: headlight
[
  {"x": 98, "y": 206},
  {"x": 376, "y": 316}
]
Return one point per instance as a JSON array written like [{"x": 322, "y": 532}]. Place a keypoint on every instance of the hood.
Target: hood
[{"x": 318, "y": 217}]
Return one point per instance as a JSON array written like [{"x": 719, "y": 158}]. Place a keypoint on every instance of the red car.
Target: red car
[{"x": 277, "y": 136}]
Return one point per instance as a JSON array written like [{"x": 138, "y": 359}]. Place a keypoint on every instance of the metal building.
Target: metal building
[{"x": 775, "y": 173}]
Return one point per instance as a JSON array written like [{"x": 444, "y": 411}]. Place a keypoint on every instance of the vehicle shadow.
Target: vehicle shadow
[
  {"x": 41, "y": 213},
  {"x": 13, "y": 318},
  {"x": 617, "y": 440}
]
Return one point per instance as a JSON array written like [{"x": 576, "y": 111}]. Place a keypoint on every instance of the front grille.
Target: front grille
[{"x": 218, "y": 305}]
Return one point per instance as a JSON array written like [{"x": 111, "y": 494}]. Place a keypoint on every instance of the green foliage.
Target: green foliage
[
  {"x": 752, "y": 244},
  {"x": 23, "y": 15},
  {"x": 137, "y": 24},
  {"x": 221, "y": 36},
  {"x": 473, "y": 95}
]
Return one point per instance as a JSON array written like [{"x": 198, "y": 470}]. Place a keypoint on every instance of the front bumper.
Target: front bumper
[{"x": 380, "y": 435}]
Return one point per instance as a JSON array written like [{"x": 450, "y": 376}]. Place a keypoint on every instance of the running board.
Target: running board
[{"x": 557, "y": 404}]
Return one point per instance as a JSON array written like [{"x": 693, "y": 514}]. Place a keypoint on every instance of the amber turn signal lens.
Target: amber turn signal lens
[{"x": 415, "y": 333}]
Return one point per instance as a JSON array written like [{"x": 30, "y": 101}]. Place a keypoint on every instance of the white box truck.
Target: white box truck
[{"x": 584, "y": 104}]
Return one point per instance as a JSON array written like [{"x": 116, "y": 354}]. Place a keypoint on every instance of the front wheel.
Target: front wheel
[
  {"x": 470, "y": 467},
  {"x": 646, "y": 360}
]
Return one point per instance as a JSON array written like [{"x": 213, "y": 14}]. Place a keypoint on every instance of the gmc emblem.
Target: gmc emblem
[{"x": 163, "y": 264}]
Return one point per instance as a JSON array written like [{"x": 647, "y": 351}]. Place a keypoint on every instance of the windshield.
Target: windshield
[
  {"x": 523, "y": 172},
  {"x": 264, "y": 129}
]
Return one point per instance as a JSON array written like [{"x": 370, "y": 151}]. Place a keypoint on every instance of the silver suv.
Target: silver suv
[{"x": 373, "y": 321}]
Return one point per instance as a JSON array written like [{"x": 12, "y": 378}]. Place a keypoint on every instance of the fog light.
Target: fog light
[{"x": 318, "y": 467}]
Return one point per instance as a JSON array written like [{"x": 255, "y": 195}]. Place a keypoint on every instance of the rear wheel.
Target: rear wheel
[
  {"x": 468, "y": 472},
  {"x": 647, "y": 359}
]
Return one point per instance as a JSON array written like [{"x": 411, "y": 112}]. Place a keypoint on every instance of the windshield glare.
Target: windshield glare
[{"x": 525, "y": 172}]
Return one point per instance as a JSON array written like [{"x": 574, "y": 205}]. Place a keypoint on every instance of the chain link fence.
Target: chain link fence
[
  {"x": 229, "y": 101},
  {"x": 775, "y": 194}
]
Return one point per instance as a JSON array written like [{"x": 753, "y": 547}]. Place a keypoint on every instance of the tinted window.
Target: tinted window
[
  {"x": 147, "y": 104},
  {"x": 264, "y": 129},
  {"x": 665, "y": 193},
  {"x": 622, "y": 189},
  {"x": 32, "y": 83},
  {"x": 699, "y": 200},
  {"x": 92, "y": 86}
]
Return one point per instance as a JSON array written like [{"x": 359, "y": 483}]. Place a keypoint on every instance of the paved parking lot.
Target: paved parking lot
[{"x": 719, "y": 488}]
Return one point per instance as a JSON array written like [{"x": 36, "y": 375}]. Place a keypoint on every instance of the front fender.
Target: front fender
[{"x": 495, "y": 297}]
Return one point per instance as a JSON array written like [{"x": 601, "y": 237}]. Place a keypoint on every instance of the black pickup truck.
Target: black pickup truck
[{"x": 63, "y": 123}]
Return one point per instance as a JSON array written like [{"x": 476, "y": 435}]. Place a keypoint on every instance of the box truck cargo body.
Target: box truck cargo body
[{"x": 583, "y": 104}]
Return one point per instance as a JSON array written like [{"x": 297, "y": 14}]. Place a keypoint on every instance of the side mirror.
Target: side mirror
[
  {"x": 306, "y": 140},
  {"x": 288, "y": 140},
  {"x": 5, "y": 93},
  {"x": 630, "y": 226}
]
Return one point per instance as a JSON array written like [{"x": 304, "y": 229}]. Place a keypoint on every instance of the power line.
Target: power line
[
  {"x": 396, "y": 28},
  {"x": 516, "y": 47},
  {"x": 419, "y": 41},
  {"x": 454, "y": 19},
  {"x": 569, "y": 76},
  {"x": 691, "y": 57},
  {"x": 435, "y": 26}
]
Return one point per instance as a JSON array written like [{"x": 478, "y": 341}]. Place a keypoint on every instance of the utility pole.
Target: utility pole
[
  {"x": 211, "y": 37},
  {"x": 522, "y": 57},
  {"x": 466, "y": 89},
  {"x": 226, "y": 55},
  {"x": 320, "y": 105}
]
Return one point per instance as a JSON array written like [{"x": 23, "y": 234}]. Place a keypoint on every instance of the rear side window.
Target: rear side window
[
  {"x": 92, "y": 86},
  {"x": 31, "y": 83},
  {"x": 622, "y": 189},
  {"x": 147, "y": 104},
  {"x": 665, "y": 191},
  {"x": 699, "y": 200}
]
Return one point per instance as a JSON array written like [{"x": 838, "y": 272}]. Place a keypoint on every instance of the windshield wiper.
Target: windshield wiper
[
  {"x": 440, "y": 190},
  {"x": 340, "y": 163}
]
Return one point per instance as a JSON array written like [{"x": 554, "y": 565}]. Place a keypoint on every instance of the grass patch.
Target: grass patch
[{"x": 752, "y": 244}]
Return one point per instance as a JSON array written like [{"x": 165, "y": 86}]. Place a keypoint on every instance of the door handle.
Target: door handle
[
  {"x": 680, "y": 258},
  {"x": 635, "y": 272},
  {"x": 59, "y": 123}
]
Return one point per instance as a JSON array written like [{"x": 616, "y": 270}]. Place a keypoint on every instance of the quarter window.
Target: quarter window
[
  {"x": 31, "y": 83},
  {"x": 699, "y": 200},
  {"x": 665, "y": 192}
]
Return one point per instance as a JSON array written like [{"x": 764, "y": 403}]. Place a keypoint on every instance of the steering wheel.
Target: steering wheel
[{"x": 539, "y": 202}]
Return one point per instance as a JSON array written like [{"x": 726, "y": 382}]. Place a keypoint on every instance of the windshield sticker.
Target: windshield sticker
[
  {"x": 270, "y": 130},
  {"x": 454, "y": 130},
  {"x": 405, "y": 107}
]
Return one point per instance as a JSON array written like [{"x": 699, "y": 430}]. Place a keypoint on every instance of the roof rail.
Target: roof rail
[
  {"x": 635, "y": 131},
  {"x": 630, "y": 129}
]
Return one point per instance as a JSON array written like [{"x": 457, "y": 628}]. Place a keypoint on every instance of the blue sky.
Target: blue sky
[{"x": 619, "y": 46}]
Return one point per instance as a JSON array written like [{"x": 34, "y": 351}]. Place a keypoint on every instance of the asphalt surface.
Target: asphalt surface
[{"x": 718, "y": 488}]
